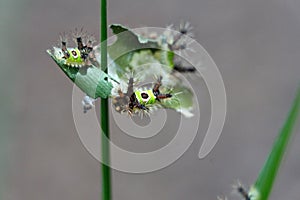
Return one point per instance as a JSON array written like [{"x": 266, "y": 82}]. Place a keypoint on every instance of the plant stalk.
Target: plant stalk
[{"x": 104, "y": 109}]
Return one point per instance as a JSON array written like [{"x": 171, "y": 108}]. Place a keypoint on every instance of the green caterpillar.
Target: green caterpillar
[{"x": 137, "y": 100}]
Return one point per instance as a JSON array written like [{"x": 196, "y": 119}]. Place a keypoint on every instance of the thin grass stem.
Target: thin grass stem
[{"x": 104, "y": 109}]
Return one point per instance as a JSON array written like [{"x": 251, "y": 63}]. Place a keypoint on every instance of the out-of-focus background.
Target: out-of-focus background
[{"x": 254, "y": 43}]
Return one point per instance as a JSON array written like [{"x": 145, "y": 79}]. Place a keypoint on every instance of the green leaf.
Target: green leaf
[
  {"x": 129, "y": 43},
  {"x": 263, "y": 185},
  {"x": 89, "y": 79}
]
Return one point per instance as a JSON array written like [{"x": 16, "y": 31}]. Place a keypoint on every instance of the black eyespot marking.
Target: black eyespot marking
[
  {"x": 105, "y": 78},
  {"x": 144, "y": 95},
  {"x": 74, "y": 53}
]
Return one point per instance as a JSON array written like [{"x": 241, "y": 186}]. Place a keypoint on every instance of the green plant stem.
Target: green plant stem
[
  {"x": 106, "y": 174},
  {"x": 269, "y": 171}
]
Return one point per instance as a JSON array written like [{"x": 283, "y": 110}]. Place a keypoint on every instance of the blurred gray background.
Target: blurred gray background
[{"x": 254, "y": 43}]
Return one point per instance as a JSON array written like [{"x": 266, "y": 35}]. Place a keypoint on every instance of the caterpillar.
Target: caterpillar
[{"x": 137, "y": 100}]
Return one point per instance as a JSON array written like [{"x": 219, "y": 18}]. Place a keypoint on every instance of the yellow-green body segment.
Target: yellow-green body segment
[{"x": 146, "y": 97}]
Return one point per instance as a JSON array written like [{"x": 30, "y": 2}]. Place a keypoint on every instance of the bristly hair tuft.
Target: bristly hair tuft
[
  {"x": 239, "y": 188},
  {"x": 63, "y": 37}
]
